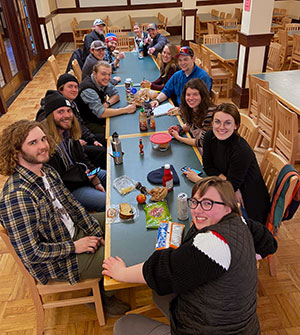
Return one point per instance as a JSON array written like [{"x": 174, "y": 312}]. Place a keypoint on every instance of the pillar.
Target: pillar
[
  {"x": 188, "y": 21},
  {"x": 254, "y": 40}
]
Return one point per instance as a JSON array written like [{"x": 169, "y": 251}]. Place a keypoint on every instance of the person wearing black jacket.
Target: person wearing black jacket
[
  {"x": 94, "y": 145},
  {"x": 96, "y": 34},
  {"x": 158, "y": 40},
  {"x": 69, "y": 160}
]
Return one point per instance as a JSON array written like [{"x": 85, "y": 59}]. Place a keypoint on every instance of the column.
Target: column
[
  {"x": 188, "y": 21},
  {"x": 254, "y": 40}
]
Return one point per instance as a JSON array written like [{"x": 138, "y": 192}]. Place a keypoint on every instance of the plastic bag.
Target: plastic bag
[{"x": 156, "y": 212}]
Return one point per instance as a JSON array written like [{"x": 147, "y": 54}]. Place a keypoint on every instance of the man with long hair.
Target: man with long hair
[
  {"x": 69, "y": 159},
  {"x": 53, "y": 235}
]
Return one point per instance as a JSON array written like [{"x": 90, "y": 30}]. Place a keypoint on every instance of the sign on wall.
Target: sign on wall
[{"x": 247, "y": 5}]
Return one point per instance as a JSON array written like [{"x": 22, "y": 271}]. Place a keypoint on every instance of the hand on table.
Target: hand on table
[
  {"x": 175, "y": 134},
  {"x": 114, "y": 267},
  {"x": 87, "y": 244},
  {"x": 192, "y": 175},
  {"x": 145, "y": 84},
  {"x": 173, "y": 111},
  {"x": 154, "y": 103},
  {"x": 117, "y": 79},
  {"x": 172, "y": 128},
  {"x": 129, "y": 109},
  {"x": 121, "y": 55}
]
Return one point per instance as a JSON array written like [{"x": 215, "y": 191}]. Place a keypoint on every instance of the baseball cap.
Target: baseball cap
[
  {"x": 111, "y": 37},
  {"x": 187, "y": 51},
  {"x": 97, "y": 22},
  {"x": 151, "y": 26},
  {"x": 96, "y": 45}
]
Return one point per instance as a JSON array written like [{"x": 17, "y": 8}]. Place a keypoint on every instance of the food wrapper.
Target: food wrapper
[
  {"x": 169, "y": 235},
  {"x": 156, "y": 212},
  {"x": 124, "y": 184},
  {"x": 143, "y": 95}
]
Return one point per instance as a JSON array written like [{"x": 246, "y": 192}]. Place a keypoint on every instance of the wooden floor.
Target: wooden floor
[{"x": 278, "y": 297}]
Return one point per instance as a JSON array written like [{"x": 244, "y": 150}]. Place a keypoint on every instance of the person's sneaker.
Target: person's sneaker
[{"x": 114, "y": 307}]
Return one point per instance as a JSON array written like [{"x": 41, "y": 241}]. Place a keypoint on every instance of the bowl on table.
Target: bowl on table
[{"x": 160, "y": 141}]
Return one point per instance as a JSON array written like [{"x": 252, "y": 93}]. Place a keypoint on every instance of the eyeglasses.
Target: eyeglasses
[{"x": 206, "y": 204}]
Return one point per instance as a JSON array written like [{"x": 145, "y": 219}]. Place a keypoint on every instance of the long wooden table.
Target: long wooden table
[
  {"x": 132, "y": 241},
  {"x": 286, "y": 86}
]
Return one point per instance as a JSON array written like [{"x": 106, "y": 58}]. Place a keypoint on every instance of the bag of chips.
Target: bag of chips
[{"x": 156, "y": 212}]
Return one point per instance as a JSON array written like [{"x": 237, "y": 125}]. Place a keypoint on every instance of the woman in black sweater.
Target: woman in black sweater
[{"x": 228, "y": 155}]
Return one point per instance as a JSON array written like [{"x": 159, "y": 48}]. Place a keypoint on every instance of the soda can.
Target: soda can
[
  {"x": 128, "y": 87},
  {"x": 182, "y": 207}
]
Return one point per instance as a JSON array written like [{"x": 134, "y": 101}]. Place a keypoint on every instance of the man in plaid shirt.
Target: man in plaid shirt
[{"x": 52, "y": 233}]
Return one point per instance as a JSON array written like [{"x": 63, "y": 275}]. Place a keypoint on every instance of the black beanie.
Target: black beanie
[
  {"x": 54, "y": 100},
  {"x": 64, "y": 78}
]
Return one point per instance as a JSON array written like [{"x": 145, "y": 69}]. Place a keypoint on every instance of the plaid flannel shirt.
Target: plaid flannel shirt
[{"x": 36, "y": 230}]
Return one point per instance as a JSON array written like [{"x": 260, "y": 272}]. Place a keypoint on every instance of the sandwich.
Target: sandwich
[{"x": 125, "y": 211}]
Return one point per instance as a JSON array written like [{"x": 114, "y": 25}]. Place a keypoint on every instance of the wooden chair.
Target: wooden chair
[
  {"x": 77, "y": 69},
  {"x": 292, "y": 26},
  {"x": 283, "y": 11},
  {"x": 210, "y": 28},
  {"x": 270, "y": 167},
  {"x": 284, "y": 21},
  {"x": 214, "y": 12},
  {"x": 197, "y": 30},
  {"x": 220, "y": 76},
  {"x": 211, "y": 39},
  {"x": 77, "y": 35},
  {"x": 114, "y": 29},
  {"x": 286, "y": 133},
  {"x": 144, "y": 26},
  {"x": 165, "y": 25},
  {"x": 214, "y": 96},
  {"x": 238, "y": 15},
  {"x": 248, "y": 130},
  {"x": 230, "y": 22},
  {"x": 38, "y": 290},
  {"x": 131, "y": 21},
  {"x": 160, "y": 17},
  {"x": 106, "y": 24},
  {"x": 295, "y": 57},
  {"x": 54, "y": 68},
  {"x": 222, "y": 15},
  {"x": 228, "y": 16},
  {"x": 196, "y": 48},
  {"x": 253, "y": 83},
  {"x": 274, "y": 57},
  {"x": 123, "y": 42},
  {"x": 265, "y": 115},
  {"x": 286, "y": 48}
]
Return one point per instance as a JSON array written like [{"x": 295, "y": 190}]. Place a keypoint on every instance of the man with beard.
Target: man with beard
[
  {"x": 158, "y": 40},
  {"x": 97, "y": 53},
  {"x": 53, "y": 235},
  {"x": 96, "y": 96},
  {"x": 96, "y": 34},
  {"x": 69, "y": 159},
  {"x": 111, "y": 41}
]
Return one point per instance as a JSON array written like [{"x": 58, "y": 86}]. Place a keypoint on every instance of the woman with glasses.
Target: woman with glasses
[
  {"x": 208, "y": 285},
  {"x": 228, "y": 155},
  {"x": 196, "y": 109}
]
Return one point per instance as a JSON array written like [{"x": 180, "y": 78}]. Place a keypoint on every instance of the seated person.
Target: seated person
[
  {"x": 157, "y": 41},
  {"x": 96, "y": 34},
  {"x": 91, "y": 101},
  {"x": 69, "y": 159},
  {"x": 228, "y": 155},
  {"x": 196, "y": 110},
  {"x": 140, "y": 38},
  {"x": 98, "y": 50},
  {"x": 189, "y": 70},
  {"x": 54, "y": 236},
  {"x": 111, "y": 41},
  {"x": 94, "y": 145},
  {"x": 168, "y": 66},
  {"x": 209, "y": 284}
]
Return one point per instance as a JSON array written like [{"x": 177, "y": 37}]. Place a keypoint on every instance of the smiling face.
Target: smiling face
[
  {"x": 111, "y": 45},
  {"x": 152, "y": 32},
  {"x": 193, "y": 98},
  {"x": 70, "y": 90},
  {"x": 202, "y": 218},
  {"x": 103, "y": 75},
  {"x": 137, "y": 30},
  {"x": 63, "y": 118},
  {"x": 223, "y": 125},
  {"x": 186, "y": 63},
  {"x": 35, "y": 149},
  {"x": 98, "y": 53},
  {"x": 166, "y": 55},
  {"x": 100, "y": 28}
]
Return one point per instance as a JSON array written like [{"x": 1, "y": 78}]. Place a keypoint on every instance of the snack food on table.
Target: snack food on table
[
  {"x": 111, "y": 213},
  {"x": 125, "y": 190},
  {"x": 156, "y": 212},
  {"x": 169, "y": 235},
  {"x": 158, "y": 193},
  {"x": 125, "y": 211},
  {"x": 143, "y": 95}
]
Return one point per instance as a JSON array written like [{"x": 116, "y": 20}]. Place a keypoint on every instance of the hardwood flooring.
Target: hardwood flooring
[{"x": 278, "y": 297}]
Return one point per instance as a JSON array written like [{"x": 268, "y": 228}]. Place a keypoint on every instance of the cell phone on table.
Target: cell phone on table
[
  {"x": 95, "y": 171},
  {"x": 185, "y": 169}
]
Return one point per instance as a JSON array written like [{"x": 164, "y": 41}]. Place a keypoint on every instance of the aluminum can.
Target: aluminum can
[
  {"x": 182, "y": 207},
  {"x": 128, "y": 86}
]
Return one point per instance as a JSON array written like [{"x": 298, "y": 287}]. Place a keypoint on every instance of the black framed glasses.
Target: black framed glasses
[{"x": 206, "y": 204}]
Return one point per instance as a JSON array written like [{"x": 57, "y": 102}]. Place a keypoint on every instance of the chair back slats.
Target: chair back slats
[
  {"x": 273, "y": 63},
  {"x": 77, "y": 69},
  {"x": 123, "y": 41},
  {"x": 292, "y": 26},
  {"x": 248, "y": 130},
  {"x": 114, "y": 29},
  {"x": 54, "y": 67},
  {"x": 211, "y": 39},
  {"x": 210, "y": 28},
  {"x": 295, "y": 58}
]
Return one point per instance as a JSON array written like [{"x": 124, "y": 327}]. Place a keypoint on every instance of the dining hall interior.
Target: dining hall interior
[{"x": 251, "y": 50}]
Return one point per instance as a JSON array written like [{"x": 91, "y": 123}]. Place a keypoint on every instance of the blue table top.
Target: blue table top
[
  {"x": 227, "y": 51},
  {"x": 132, "y": 241},
  {"x": 137, "y": 69},
  {"x": 129, "y": 123},
  {"x": 286, "y": 85}
]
